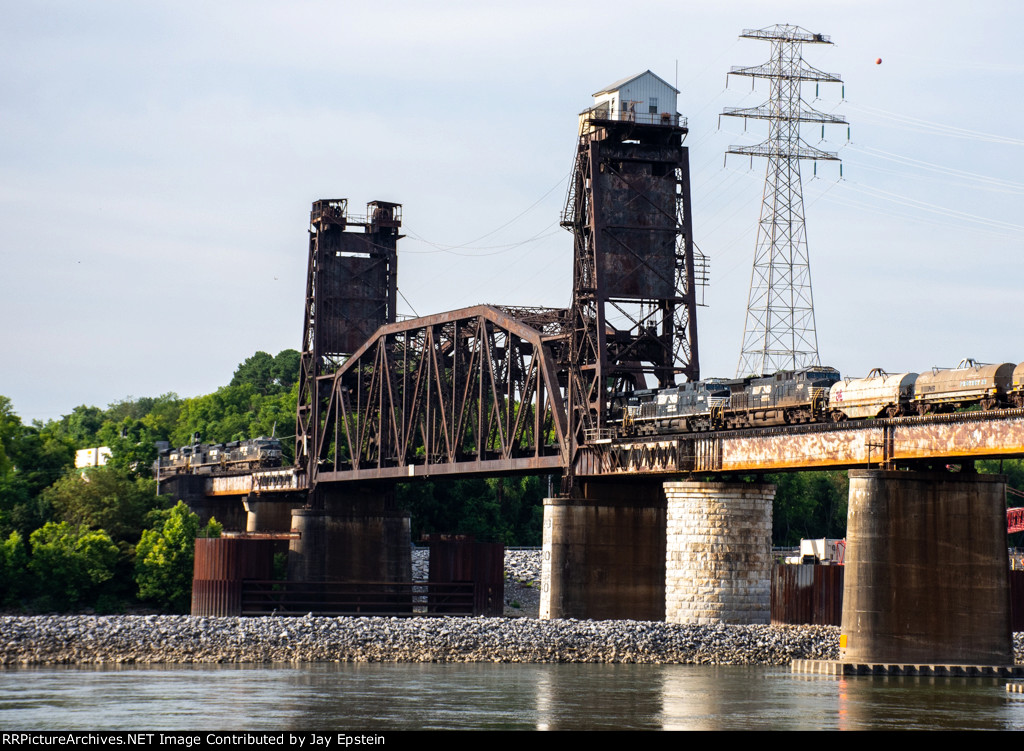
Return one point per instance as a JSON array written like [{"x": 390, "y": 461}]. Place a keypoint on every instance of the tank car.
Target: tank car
[
  {"x": 967, "y": 384},
  {"x": 1016, "y": 393},
  {"x": 789, "y": 396},
  {"x": 879, "y": 394}
]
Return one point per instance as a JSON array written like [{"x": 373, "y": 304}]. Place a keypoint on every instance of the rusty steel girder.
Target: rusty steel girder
[
  {"x": 465, "y": 392},
  {"x": 885, "y": 443}
]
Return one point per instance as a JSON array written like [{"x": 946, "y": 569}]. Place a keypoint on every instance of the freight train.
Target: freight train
[
  {"x": 236, "y": 456},
  {"x": 816, "y": 394}
]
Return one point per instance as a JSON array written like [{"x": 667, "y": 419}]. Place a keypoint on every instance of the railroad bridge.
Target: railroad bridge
[{"x": 499, "y": 389}]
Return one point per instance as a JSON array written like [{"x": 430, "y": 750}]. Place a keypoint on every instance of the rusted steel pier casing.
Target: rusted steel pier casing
[
  {"x": 926, "y": 569},
  {"x": 220, "y": 566},
  {"x": 355, "y": 536},
  {"x": 604, "y": 554}
]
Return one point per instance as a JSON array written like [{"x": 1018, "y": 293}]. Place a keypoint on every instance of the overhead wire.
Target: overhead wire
[
  {"x": 930, "y": 126},
  {"x": 441, "y": 247}
]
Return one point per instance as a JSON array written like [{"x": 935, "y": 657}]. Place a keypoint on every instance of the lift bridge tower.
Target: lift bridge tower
[
  {"x": 779, "y": 333},
  {"x": 633, "y": 320},
  {"x": 351, "y": 288}
]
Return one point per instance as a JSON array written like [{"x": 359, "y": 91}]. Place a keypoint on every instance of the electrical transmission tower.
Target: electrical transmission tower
[{"x": 779, "y": 333}]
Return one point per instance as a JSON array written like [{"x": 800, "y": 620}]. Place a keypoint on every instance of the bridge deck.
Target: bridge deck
[
  {"x": 964, "y": 435},
  {"x": 973, "y": 435}
]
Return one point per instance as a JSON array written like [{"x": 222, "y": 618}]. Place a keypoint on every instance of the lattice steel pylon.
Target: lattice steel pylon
[{"x": 779, "y": 333}]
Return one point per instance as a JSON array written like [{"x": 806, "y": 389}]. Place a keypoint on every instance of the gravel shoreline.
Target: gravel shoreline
[
  {"x": 153, "y": 639},
  {"x": 56, "y": 640},
  {"x": 82, "y": 640}
]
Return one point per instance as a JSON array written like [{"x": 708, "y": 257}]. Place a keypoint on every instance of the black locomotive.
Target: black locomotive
[{"x": 236, "y": 456}]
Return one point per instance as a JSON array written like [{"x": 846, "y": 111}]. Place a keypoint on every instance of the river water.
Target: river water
[{"x": 389, "y": 696}]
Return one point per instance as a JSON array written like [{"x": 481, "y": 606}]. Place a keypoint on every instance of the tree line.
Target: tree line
[{"x": 101, "y": 538}]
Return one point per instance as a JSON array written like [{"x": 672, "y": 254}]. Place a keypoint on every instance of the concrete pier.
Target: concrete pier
[
  {"x": 266, "y": 515},
  {"x": 192, "y": 490},
  {"x": 718, "y": 552},
  {"x": 604, "y": 553},
  {"x": 926, "y": 570},
  {"x": 358, "y": 534},
  {"x": 226, "y": 510}
]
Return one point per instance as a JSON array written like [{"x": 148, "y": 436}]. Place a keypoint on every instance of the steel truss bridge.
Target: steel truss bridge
[
  {"x": 383, "y": 414},
  {"x": 466, "y": 392},
  {"x": 497, "y": 390}
]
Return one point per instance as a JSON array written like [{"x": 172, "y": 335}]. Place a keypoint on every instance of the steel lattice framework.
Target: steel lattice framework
[
  {"x": 468, "y": 391},
  {"x": 478, "y": 390},
  {"x": 351, "y": 287},
  {"x": 779, "y": 333},
  {"x": 634, "y": 306}
]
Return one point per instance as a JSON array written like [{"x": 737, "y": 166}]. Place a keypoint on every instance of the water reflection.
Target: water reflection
[{"x": 484, "y": 696}]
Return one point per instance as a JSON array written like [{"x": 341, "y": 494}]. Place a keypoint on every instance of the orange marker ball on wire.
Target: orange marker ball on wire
[{"x": 878, "y": 61}]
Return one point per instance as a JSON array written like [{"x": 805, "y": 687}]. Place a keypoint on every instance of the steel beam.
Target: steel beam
[{"x": 873, "y": 443}]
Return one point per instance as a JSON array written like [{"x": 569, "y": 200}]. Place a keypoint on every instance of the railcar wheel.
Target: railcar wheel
[
  {"x": 837, "y": 416},
  {"x": 988, "y": 405}
]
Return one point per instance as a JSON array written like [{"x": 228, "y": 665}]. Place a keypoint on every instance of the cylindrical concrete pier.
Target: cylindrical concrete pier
[
  {"x": 356, "y": 536},
  {"x": 604, "y": 554},
  {"x": 268, "y": 515},
  {"x": 926, "y": 569},
  {"x": 718, "y": 552}
]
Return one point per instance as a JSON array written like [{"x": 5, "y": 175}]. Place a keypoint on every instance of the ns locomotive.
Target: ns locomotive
[
  {"x": 817, "y": 394},
  {"x": 236, "y": 456}
]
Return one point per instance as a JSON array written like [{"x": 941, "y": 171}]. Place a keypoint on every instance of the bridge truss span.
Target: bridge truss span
[{"x": 470, "y": 391}]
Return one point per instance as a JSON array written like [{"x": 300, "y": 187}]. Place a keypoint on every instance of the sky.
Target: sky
[{"x": 158, "y": 161}]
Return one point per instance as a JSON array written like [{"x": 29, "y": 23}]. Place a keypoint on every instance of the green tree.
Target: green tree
[
  {"x": 31, "y": 458},
  {"x": 81, "y": 426},
  {"x": 108, "y": 498},
  {"x": 257, "y": 371},
  {"x": 164, "y": 557},
  {"x": 132, "y": 446},
  {"x": 286, "y": 369},
  {"x": 495, "y": 509},
  {"x": 809, "y": 505},
  {"x": 14, "y": 572},
  {"x": 70, "y": 564},
  {"x": 1014, "y": 471}
]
